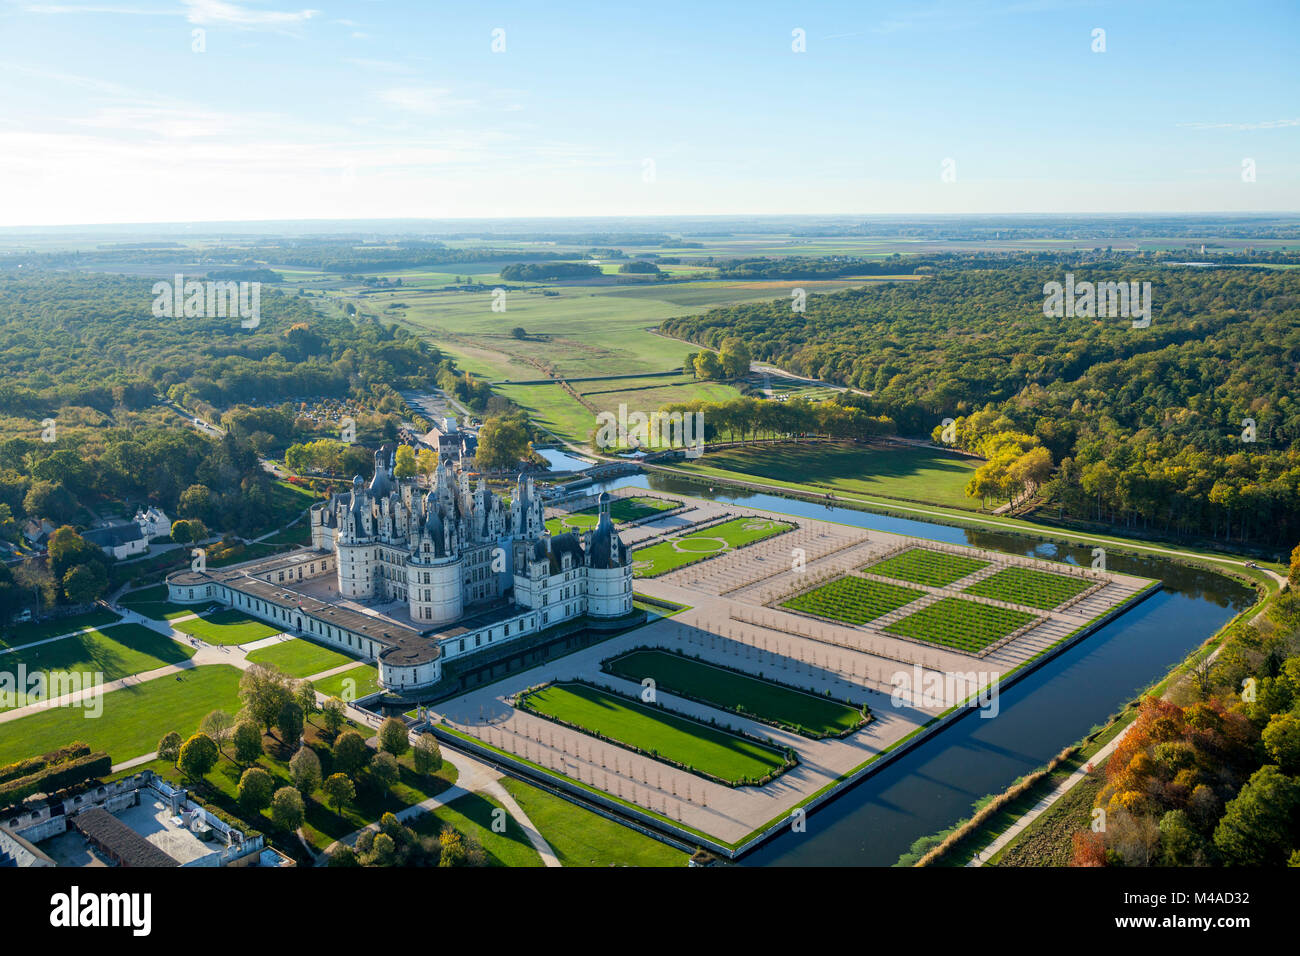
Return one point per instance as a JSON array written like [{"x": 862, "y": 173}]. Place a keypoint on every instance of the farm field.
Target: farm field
[
  {"x": 582, "y": 838},
  {"x": 853, "y": 600},
  {"x": 112, "y": 652},
  {"x": 227, "y": 627},
  {"x": 1029, "y": 586},
  {"x": 16, "y": 635},
  {"x": 621, "y": 510},
  {"x": 960, "y": 624},
  {"x": 352, "y": 684},
  {"x": 725, "y": 689},
  {"x": 925, "y": 475},
  {"x": 135, "y": 718},
  {"x": 924, "y": 566},
  {"x": 678, "y": 552},
  {"x": 299, "y": 657},
  {"x": 653, "y": 730}
]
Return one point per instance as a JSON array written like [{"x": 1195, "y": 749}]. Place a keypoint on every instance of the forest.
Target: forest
[{"x": 1186, "y": 427}]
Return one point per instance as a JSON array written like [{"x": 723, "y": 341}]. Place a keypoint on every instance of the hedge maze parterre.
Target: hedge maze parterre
[
  {"x": 1040, "y": 589},
  {"x": 853, "y": 600},
  {"x": 936, "y": 569}
]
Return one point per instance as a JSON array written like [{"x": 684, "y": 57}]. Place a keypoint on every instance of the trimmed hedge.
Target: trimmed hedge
[
  {"x": 30, "y": 765},
  {"x": 58, "y": 777}
]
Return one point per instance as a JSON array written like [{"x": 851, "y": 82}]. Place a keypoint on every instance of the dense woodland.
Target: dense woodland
[{"x": 1144, "y": 425}]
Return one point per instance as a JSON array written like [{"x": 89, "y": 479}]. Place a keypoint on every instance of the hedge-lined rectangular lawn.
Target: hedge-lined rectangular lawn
[
  {"x": 112, "y": 652},
  {"x": 621, "y": 510},
  {"x": 960, "y": 624},
  {"x": 230, "y": 626},
  {"x": 300, "y": 658},
  {"x": 134, "y": 718},
  {"x": 1029, "y": 586},
  {"x": 726, "y": 689},
  {"x": 853, "y": 600},
  {"x": 679, "y": 551},
  {"x": 935, "y": 569},
  {"x": 653, "y": 730}
]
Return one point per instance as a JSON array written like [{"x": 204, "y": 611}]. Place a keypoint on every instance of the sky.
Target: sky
[{"x": 129, "y": 111}]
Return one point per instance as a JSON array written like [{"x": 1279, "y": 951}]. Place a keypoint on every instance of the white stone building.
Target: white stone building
[{"x": 415, "y": 577}]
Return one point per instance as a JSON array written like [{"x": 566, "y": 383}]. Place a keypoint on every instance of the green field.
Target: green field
[
  {"x": 924, "y": 475},
  {"x": 960, "y": 624},
  {"x": 582, "y": 838},
  {"x": 227, "y": 627},
  {"x": 922, "y": 566},
  {"x": 16, "y": 635},
  {"x": 300, "y": 658},
  {"x": 726, "y": 689},
  {"x": 655, "y": 731},
  {"x": 152, "y": 602},
  {"x": 853, "y": 600},
  {"x": 709, "y": 542},
  {"x": 620, "y": 510},
  {"x": 472, "y": 815},
  {"x": 134, "y": 718},
  {"x": 352, "y": 684},
  {"x": 1029, "y": 586},
  {"x": 111, "y": 653}
]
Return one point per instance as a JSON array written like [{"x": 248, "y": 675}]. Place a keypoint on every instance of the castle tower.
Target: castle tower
[{"x": 609, "y": 568}]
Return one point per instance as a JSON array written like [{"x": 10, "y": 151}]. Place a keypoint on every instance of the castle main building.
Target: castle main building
[{"x": 414, "y": 577}]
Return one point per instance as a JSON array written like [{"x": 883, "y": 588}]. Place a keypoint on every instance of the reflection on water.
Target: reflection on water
[
  {"x": 563, "y": 461},
  {"x": 934, "y": 786}
]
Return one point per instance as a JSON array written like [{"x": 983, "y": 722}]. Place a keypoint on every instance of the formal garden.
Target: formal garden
[
  {"x": 1030, "y": 587},
  {"x": 686, "y": 549},
  {"x": 935, "y": 569},
  {"x": 853, "y": 600},
  {"x": 962, "y": 625}
]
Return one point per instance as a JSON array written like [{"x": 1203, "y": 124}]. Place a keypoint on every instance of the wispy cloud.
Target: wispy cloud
[
  {"x": 425, "y": 100},
  {"x": 214, "y": 12},
  {"x": 1266, "y": 124}
]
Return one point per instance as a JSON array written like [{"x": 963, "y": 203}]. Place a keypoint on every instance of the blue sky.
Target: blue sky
[{"x": 403, "y": 109}]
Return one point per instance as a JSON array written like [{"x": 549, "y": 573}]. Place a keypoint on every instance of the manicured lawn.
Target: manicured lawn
[
  {"x": 152, "y": 602},
  {"x": 911, "y": 474},
  {"x": 757, "y": 698},
  {"x": 654, "y": 730},
  {"x": 1029, "y": 586},
  {"x": 354, "y": 684},
  {"x": 582, "y": 838},
  {"x": 472, "y": 816},
  {"x": 709, "y": 542},
  {"x": 16, "y": 635},
  {"x": 620, "y": 510},
  {"x": 853, "y": 600},
  {"x": 923, "y": 566},
  {"x": 300, "y": 658},
  {"x": 230, "y": 626},
  {"x": 112, "y": 653},
  {"x": 959, "y": 624},
  {"x": 134, "y": 718}
]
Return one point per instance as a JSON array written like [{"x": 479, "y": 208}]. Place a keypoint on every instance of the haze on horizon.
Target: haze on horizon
[{"x": 273, "y": 111}]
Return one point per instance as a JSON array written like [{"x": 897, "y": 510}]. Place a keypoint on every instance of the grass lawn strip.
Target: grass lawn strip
[
  {"x": 109, "y": 654},
  {"x": 227, "y": 627},
  {"x": 134, "y": 718},
  {"x": 580, "y": 837},
  {"x": 360, "y": 681},
  {"x": 694, "y": 746},
  {"x": 726, "y": 689},
  {"x": 300, "y": 658}
]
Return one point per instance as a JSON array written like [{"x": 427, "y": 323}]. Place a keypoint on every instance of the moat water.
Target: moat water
[{"x": 934, "y": 786}]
